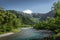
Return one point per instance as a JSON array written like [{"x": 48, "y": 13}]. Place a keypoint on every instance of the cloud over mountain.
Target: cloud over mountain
[{"x": 28, "y": 11}]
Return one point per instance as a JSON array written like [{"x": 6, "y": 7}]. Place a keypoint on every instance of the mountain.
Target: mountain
[
  {"x": 30, "y": 19},
  {"x": 25, "y": 18},
  {"x": 42, "y": 16}
]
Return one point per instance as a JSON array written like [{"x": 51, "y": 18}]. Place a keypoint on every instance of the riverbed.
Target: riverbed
[{"x": 28, "y": 34}]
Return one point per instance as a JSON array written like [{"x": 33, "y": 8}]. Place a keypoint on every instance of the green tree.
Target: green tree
[
  {"x": 57, "y": 8},
  {"x": 8, "y": 21}
]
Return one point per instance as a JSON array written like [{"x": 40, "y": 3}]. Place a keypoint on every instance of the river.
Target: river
[{"x": 28, "y": 34}]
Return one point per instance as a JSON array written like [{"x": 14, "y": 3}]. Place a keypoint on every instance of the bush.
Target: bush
[{"x": 8, "y": 21}]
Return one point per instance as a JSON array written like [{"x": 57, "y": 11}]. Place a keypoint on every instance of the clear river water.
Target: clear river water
[{"x": 28, "y": 34}]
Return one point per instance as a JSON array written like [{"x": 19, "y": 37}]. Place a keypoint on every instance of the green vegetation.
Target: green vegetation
[
  {"x": 52, "y": 24},
  {"x": 25, "y": 18},
  {"x": 11, "y": 21},
  {"x": 8, "y": 21}
]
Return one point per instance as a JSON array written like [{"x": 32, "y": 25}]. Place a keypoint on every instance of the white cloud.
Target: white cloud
[{"x": 27, "y": 11}]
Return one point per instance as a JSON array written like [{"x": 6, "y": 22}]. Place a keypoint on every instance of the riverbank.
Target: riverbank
[
  {"x": 14, "y": 31},
  {"x": 30, "y": 32},
  {"x": 6, "y": 34}
]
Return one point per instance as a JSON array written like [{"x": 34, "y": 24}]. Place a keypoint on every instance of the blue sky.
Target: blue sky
[{"x": 36, "y": 6}]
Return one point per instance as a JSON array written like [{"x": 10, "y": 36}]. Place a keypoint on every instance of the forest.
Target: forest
[{"x": 11, "y": 20}]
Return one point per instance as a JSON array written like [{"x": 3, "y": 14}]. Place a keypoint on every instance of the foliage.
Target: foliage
[
  {"x": 25, "y": 18},
  {"x": 52, "y": 24},
  {"x": 8, "y": 21},
  {"x": 57, "y": 8}
]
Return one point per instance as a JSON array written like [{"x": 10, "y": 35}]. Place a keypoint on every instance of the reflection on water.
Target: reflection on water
[{"x": 27, "y": 34}]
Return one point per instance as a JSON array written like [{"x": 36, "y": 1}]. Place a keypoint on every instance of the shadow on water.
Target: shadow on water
[{"x": 27, "y": 34}]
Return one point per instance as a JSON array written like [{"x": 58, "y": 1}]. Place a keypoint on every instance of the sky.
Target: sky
[{"x": 29, "y": 6}]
